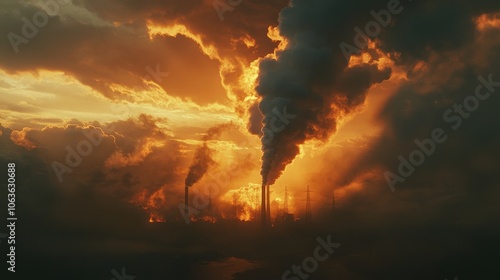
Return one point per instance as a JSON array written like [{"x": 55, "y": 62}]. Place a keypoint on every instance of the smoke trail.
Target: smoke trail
[
  {"x": 202, "y": 160},
  {"x": 309, "y": 79}
]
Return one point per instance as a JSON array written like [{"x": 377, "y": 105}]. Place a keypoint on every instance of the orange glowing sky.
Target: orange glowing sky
[
  {"x": 247, "y": 139},
  {"x": 209, "y": 82}
]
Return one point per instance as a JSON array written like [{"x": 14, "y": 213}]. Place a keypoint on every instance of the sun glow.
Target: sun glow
[{"x": 244, "y": 201}]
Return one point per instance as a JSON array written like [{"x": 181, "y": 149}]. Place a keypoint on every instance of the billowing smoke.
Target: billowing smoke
[
  {"x": 202, "y": 160},
  {"x": 308, "y": 87}
]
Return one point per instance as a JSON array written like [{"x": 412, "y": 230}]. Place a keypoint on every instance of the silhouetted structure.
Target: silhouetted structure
[
  {"x": 286, "y": 217},
  {"x": 268, "y": 208},
  {"x": 308, "y": 205},
  {"x": 263, "y": 206}
]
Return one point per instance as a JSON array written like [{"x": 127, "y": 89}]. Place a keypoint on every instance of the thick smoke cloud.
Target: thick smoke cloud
[
  {"x": 425, "y": 27},
  {"x": 311, "y": 72},
  {"x": 310, "y": 78}
]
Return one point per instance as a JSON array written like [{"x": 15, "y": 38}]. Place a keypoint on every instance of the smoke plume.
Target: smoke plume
[
  {"x": 308, "y": 87},
  {"x": 202, "y": 160}
]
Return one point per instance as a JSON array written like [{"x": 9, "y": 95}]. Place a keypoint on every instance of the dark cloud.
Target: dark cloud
[
  {"x": 104, "y": 55},
  {"x": 422, "y": 27},
  {"x": 116, "y": 163}
]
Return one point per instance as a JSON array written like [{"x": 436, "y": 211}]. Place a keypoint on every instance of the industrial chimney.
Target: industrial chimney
[
  {"x": 263, "y": 206},
  {"x": 268, "y": 208}
]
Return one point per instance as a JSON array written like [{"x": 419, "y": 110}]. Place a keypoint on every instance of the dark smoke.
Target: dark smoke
[
  {"x": 309, "y": 79},
  {"x": 202, "y": 160},
  {"x": 217, "y": 130}
]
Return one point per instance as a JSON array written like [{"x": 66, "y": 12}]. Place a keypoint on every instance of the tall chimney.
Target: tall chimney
[
  {"x": 263, "y": 206},
  {"x": 268, "y": 206}
]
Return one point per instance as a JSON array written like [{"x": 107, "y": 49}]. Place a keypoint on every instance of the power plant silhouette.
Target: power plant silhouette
[{"x": 283, "y": 215}]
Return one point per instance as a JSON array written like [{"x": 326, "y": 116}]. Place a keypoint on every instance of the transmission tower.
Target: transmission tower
[{"x": 308, "y": 204}]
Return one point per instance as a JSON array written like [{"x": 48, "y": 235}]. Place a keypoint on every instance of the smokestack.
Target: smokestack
[
  {"x": 186, "y": 196},
  {"x": 263, "y": 206},
  {"x": 268, "y": 206}
]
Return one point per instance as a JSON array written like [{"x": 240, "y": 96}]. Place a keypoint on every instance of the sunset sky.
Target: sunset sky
[{"x": 168, "y": 87}]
